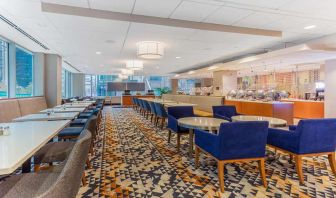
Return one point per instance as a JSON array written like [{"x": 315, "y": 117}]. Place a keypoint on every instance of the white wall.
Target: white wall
[
  {"x": 330, "y": 89},
  {"x": 38, "y": 76}
]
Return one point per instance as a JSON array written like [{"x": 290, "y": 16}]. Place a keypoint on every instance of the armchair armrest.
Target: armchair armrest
[
  {"x": 222, "y": 117},
  {"x": 292, "y": 127},
  {"x": 207, "y": 141},
  {"x": 288, "y": 140},
  {"x": 172, "y": 123}
]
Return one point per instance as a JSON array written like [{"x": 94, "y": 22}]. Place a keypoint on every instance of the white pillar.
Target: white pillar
[
  {"x": 78, "y": 85},
  {"x": 330, "y": 89},
  {"x": 53, "y": 79},
  {"x": 38, "y": 76},
  {"x": 224, "y": 81}
]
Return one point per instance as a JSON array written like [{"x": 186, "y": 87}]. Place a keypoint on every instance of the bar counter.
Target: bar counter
[
  {"x": 282, "y": 110},
  {"x": 127, "y": 99},
  {"x": 307, "y": 109}
]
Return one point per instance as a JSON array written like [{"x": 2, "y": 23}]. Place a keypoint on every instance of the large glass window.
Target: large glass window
[
  {"x": 3, "y": 69},
  {"x": 24, "y": 73}
]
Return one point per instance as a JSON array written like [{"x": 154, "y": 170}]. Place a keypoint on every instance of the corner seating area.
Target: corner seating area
[
  {"x": 63, "y": 161},
  {"x": 203, "y": 103}
]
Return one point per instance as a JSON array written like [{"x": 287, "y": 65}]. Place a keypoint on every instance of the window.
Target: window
[
  {"x": 90, "y": 85},
  {"x": 66, "y": 83},
  {"x": 24, "y": 73},
  {"x": 3, "y": 69}
]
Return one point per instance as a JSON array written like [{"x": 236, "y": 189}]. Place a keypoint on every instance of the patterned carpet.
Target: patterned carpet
[{"x": 133, "y": 159}]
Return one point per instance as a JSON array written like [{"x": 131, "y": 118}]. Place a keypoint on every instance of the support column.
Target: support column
[
  {"x": 224, "y": 81},
  {"x": 174, "y": 85},
  {"x": 12, "y": 71},
  {"x": 78, "y": 85},
  {"x": 53, "y": 79},
  {"x": 330, "y": 89}
]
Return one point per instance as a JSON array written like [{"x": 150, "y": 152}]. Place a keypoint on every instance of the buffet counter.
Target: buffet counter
[
  {"x": 127, "y": 99},
  {"x": 282, "y": 110},
  {"x": 203, "y": 103},
  {"x": 306, "y": 109}
]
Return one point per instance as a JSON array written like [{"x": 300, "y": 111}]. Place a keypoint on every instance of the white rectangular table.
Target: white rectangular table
[
  {"x": 70, "y": 105},
  {"x": 24, "y": 140},
  {"x": 179, "y": 104},
  {"x": 45, "y": 117},
  {"x": 68, "y": 109}
]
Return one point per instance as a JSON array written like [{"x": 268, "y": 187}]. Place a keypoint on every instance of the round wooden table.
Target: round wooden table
[
  {"x": 273, "y": 122},
  {"x": 203, "y": 123}
]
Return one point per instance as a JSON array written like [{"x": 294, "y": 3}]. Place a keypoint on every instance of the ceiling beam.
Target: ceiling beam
[{"x": 103, "y": 14}]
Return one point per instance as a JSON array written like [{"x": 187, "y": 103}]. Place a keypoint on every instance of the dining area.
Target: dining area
[
  {"x": 44, "y": 152},
  {"x": 230, "y": 137}
]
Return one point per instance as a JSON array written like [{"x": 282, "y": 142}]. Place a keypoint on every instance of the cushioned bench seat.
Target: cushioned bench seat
[{"x": 9, "y": 109}]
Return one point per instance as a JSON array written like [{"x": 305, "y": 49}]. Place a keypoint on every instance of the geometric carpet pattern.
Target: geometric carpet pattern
[{"x": 132, "y": 158}]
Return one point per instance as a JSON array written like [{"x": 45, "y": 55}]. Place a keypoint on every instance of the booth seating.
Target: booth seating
[
  {"x": 203, "y": 103},
  {"x": 14, "y": 108}
]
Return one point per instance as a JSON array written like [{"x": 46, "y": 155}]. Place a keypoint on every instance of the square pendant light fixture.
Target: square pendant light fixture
[
  {"x": 150, "y": 49},
  {"x": 134, "y": 65}
]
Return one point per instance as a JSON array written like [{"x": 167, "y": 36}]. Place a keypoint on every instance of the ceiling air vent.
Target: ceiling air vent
[{"x": 23, "y": 32}]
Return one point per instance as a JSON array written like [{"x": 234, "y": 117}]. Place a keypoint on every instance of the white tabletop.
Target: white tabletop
[
  {"x": 204, "y": 123},
  {"x": 178, "y": 104},
  {"x": 273, "y": 122},
  {"x": 159, "y": 100},
  {"x": 76, "y": 105},
  {"x": 45, "y": 117},
  {"x": 24, "y": 140},
  {"x": 68, "y": 109}
]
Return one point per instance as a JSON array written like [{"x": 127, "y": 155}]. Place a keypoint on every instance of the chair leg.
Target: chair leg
[
  {"x": 261, "y": 163},
  {"x": 83, "y": 179},
  {"x": 291, "y": 158},
  {"x": 197, "y": 155},
  {"x": 298, "y": 161},
  {"x": 220, "y": 167},
  {"x": 151, "y": 117},
  {"x": 169, "y": 135},
  {"x": 178, "y": 142},
  {"x": 36, "y": 167},
  {"x": 88, "y": 164},
  {"x": 162, "y": 122},
  {"x": 332, "y": 162}
]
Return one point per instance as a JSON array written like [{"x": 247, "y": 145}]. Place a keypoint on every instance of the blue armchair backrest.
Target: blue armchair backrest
[
  {"x": 146, "y": 105},
  {"x": 224, "y": 110},
  {"x": 160, "y": 110},
  {"x": 152, "y": 107},
  {"x": 317, "y": 135},
  {"x": 242, "y": 139},
  {"x": 141, "y": 103},
  {"x": 181, "y": 111}
]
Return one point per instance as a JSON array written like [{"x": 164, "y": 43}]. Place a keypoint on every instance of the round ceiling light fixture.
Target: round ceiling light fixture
[
  {"x": 150, "y": 49},
  {"x": 134, "y": 65}
]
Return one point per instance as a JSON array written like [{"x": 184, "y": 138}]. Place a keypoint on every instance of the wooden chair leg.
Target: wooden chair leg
[
  {"x": 36, "y": 167},
  {"x": 220, "y": 167},
  {"x": 298, "y": 161},
  {"x": 197, "y": 155},
  {"x": 88, "y": 164},
  {"x": 178, "y": 141},
  {"x": 169, "y": 135},
  {"x": 332, "y": 162},
  {"x": 262, "y": 171},
  {"x": 151, "y": 117},
  {"x": 162, "y": 122},
  {"x": 83, "y": 179},
  {"x": 291, "y": 158}
]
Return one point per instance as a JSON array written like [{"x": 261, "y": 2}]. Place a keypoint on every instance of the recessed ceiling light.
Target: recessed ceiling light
[
  {"x": 177, "y": 75},
  {"x": 98, "y": 52},
  {"x": 309, "y": 27},
  {"x": 177, "y": 57},
  {"x": 191, "y": 72},
  {"x": 212, "y": 67}
]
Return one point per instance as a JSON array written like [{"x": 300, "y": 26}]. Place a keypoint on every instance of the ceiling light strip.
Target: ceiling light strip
[{"x": 23, "y": 32}]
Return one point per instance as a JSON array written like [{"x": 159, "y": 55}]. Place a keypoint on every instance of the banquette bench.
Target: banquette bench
[
  {"x": 17, "y": 107},
  {"x": 203, "y": 103}
]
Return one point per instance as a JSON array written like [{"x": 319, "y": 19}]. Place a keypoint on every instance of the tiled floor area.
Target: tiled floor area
[{"x": 133, "y": 159}]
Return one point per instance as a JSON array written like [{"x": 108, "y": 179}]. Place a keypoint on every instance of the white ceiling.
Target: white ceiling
[{"x": 78, "y": 38}]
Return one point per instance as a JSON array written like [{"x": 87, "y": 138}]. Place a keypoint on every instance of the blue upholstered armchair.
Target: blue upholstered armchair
[
  {"x": 224, "y": 112},
  {"x": 161, "y": 113},
  {"x": 175, "y": 113},
  {"x": 236, "y": 141},
  {"x": 311, "y": 137}
]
